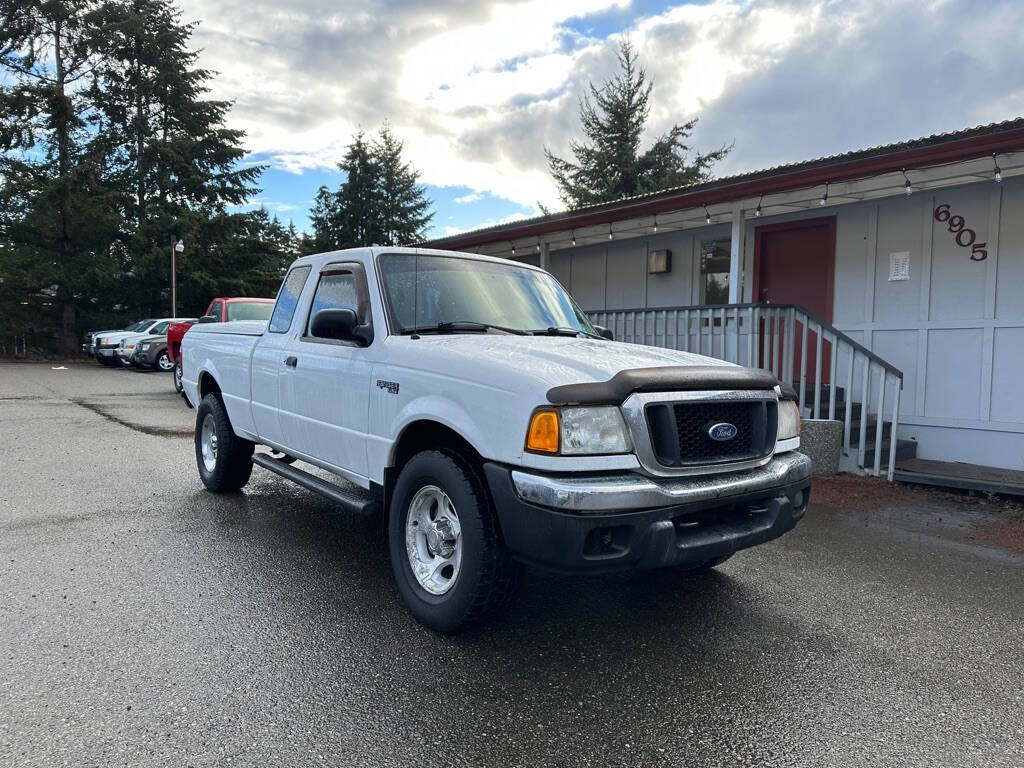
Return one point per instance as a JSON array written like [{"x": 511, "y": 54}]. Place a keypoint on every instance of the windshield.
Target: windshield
[
  {"x": 424, "y": 290},
  {"x": 249, "y": 310},
  {"x": 139, "y": 325}
]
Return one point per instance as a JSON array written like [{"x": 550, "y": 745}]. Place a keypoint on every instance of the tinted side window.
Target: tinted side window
[
  {"x": 217, "y": 311},
  {"x": 287, "y": 299},
  {"x": 160, "y": 329}
]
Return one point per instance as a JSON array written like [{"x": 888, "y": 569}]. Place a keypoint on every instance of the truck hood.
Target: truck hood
[{"x": 548, "y": 361}]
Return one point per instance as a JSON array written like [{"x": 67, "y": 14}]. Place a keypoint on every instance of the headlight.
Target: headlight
[
  {"x": 578, "y": 431},
  {"x": 789, "y": 420},
  {"x": 144, "y": 347}
]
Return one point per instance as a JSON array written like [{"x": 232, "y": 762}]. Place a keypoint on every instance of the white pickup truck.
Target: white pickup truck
[{"x": 469, "y": 401}]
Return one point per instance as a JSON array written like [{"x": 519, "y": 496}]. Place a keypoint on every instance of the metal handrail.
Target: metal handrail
[{"x": 810, "y": 315}]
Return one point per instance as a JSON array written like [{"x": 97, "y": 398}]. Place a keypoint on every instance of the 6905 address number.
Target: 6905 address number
[{"x": 965, "y": 236}]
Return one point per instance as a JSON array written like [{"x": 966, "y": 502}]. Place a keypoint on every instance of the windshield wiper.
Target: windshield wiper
[
  {"x": 453, "y": 326},
  {"x": 560, "y": 330}
]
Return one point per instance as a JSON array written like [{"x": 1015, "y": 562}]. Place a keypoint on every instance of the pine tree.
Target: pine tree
[
  {"x": 609, "y": 164},
  {"x": 56, "y": 210},
  {"x": 325, "y": 218},
  {"x": 404, "y": 207},
  {"x": 358, "y": 201},
  {"x": 380, "y": 202},
  {"x": 166, "y": 144}
]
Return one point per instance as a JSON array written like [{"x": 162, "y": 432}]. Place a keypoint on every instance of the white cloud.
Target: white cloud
[
  {"x": 472, "y": 197},
  {"x": 477, "y": 90}
]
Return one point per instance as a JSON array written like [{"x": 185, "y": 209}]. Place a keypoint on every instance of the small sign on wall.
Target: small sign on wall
[{"x": 899, "y": 266}]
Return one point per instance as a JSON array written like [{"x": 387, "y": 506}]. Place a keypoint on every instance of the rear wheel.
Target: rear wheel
[
  {"x": 223, "y": 458},
  {"x": 447, "y": 556},
  {"x": 177, "y": 376}
]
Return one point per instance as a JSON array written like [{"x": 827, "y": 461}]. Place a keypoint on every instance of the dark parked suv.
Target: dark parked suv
[{"x": 151, "y": 354}]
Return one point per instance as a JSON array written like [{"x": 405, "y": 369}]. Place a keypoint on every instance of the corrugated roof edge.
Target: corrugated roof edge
[{"x": 1004, "y": 136}]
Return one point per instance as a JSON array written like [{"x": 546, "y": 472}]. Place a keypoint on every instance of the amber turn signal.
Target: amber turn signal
[{"x": 542, "y": 436}]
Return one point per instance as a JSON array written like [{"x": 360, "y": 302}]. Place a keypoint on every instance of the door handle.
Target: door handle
[{"x": 291, "y": 361}]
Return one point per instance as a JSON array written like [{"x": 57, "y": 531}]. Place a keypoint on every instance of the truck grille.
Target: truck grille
[{"x": 680, "y": 432}]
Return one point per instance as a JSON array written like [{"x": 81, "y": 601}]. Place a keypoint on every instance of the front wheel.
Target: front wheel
[
  {"x": 163, "y": 362},
  {"x": 177, "y": 376},
  {"x": 449, "y": 562},
  {"x": 224, "y": 459}
]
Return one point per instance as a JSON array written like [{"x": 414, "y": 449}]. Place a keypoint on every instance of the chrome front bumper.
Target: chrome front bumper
[{"x": 627, "y": 491}]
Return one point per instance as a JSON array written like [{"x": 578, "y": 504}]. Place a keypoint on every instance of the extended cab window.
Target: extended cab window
[
  {"x": 160, "y": 329},
  {"x": 287, "y": 299}
]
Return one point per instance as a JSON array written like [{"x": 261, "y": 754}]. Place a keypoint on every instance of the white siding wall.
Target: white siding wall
[{"x": 955, "y": 329}]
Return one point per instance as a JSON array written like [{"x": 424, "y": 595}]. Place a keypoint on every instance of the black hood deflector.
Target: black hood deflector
[{"x": 675, "y": 378}]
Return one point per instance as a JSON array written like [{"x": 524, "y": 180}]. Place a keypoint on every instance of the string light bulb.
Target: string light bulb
[
  {"x": 574, "y": 237},
  {"x": 907, "y": 187},
  {"x": 757, "y": 211},
  {"x": 707, "y": 216},
  {"x": 655, "y": 222},
  {"x": 513, "y": 247},
  {"x": 824, "y": 198},
  {"x": 538, "y": 245},
  {"x": 998, "y": 174},
  {"x": 610, "y": 235}
]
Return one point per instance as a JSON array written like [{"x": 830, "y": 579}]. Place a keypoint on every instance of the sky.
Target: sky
[{"x": 477, "y": 89}]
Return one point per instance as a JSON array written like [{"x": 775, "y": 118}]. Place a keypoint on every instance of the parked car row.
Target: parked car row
[{"x": 155, "y": 344}]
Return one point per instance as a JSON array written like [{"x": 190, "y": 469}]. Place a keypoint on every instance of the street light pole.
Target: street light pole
[{"x": 177, "y": 246}]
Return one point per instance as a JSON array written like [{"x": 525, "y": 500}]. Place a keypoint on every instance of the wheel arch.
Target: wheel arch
[
  {"x": 207, "y": 385},
  {"x": 427, "y": 434}
]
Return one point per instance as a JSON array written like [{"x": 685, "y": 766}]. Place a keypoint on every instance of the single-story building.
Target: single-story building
[{"x": 886, "y": 284}]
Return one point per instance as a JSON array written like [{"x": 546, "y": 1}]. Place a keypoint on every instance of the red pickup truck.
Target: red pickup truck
[{"x": 221, "y": 310}]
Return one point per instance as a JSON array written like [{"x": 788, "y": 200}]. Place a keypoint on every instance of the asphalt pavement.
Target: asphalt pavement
[{"x": 144, "y": 621}]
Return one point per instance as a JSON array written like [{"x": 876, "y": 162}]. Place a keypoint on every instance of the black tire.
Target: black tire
[
  {"x": 488, "y": 576},
  {"x": 162, "y": 362},
  {"x": 231, "y": 455},
  {"x": 177, "y": 376}
]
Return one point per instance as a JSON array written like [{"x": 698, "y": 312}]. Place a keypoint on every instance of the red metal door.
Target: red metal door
[{"x": 794, "y": 263}]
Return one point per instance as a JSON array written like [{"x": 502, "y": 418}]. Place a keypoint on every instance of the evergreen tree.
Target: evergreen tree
[
  {"x": 358, "y": 201},
  {"x": 55, "y": 210},
  {"x": 167, "y": 147},
  {"x": 609, "y": 164},
  {"x": 380, "y": 202},
  {"x": 325, "y": 217},
  {"x": 403, "y": 210}
]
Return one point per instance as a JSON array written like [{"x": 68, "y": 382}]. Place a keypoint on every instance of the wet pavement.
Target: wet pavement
[{"x": 144, "y": 621}]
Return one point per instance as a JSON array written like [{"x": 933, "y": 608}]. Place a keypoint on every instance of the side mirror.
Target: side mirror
[
  {"x": 604, "y": 332},
  {"x": 207, "y": 319},
  {"x": 339, "y": 324}
]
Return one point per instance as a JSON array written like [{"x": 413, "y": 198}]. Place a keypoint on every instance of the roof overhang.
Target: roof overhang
[{"x": 929, "y": 163}]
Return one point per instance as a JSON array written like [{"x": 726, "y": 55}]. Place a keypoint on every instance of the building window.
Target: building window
[{"x": 714, "y": 271}]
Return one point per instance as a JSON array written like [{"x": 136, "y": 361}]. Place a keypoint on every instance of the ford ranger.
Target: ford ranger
[{"x": 471, "y": 403}]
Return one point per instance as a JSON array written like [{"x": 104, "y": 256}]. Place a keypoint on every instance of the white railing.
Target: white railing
[{"x": 846, "y": 380}]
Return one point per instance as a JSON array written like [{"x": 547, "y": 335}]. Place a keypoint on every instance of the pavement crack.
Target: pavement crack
[{"x": 146, "y": 430}]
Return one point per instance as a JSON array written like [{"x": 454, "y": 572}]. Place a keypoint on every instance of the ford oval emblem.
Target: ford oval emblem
[{"x": 722, "y": 431}]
